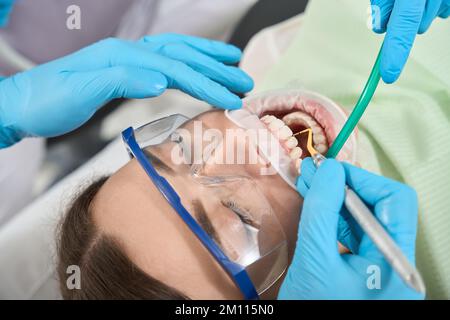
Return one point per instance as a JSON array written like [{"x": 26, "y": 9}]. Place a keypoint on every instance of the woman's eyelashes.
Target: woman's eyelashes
[{"x": 244, "y": 215}]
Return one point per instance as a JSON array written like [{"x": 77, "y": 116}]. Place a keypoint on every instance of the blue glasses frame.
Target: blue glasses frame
[{"x": 237, "y": 272}]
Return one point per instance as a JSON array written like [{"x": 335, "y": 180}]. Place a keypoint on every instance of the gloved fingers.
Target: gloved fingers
[
  {"x": 217, "y": 50},
  {"x": 347, "y": 227},
  {"x": 319, "y": 218},
  {"x": 401, "y": 32},
  {"x": 98, "y": 54},
  {"x": 195, "y": 84},
  {"x": 178, "y": 74},
  {"x": 308, "y": 170},
  {"x": 432, "y": 9},
  {"x": 371, "y": 187},
  {"x": 232, "y": 78},
  {"x": 393, "y": 203},
  {"x": 383, "y": 9},
  {"x": 122, "y": 82},
  {"x": 96, "y": 88},
  {"x": 186, "y": 79}
]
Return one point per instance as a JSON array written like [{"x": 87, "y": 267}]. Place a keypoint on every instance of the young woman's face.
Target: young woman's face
[{"x": 130, "y": 208}]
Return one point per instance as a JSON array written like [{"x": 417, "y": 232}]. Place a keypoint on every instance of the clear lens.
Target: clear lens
[
  {"x": 226, "y": 202},
  {"x": 254, "y": 237},
  {"x": 158, "y": 131}
]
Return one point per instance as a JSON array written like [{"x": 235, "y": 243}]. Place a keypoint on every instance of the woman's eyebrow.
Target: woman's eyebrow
[
  {"x": 157, "y": 162},
  {"x": 199, "y": 209},
  {"x": 204, "y": 220}
]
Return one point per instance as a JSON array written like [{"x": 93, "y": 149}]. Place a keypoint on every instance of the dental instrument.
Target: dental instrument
[{"x": 370, "y": 225}]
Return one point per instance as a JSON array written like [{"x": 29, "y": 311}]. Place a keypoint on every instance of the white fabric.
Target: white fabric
[
  {"x": 184, "y": 16},
  {"x": 19, "y": 166}
]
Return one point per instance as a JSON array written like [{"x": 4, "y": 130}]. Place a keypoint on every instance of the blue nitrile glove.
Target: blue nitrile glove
[
  {"x": 402, "y": 20},
  {"x": 59, "y": 96},
  {"x": 5, "y": 9},
  {"x": 317, "y": 270}
]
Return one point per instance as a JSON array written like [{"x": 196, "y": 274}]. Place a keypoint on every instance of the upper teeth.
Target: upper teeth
[
  {"x": 291, "y": 143},
  {"x": 285, "y": 133},
  {"x": 281, "y": 130},
  {"x": 268, "y": 119},
  {"x": 276, "y": 124}
]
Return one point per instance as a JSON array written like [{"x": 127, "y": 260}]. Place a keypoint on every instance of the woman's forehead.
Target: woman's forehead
[{"x": 131, "y": 209}]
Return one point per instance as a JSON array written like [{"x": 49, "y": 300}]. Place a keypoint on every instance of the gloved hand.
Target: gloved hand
[
  {"x": 402, "y": 20},
  {"x": 59, "y": 96},
  {"x": 317, "y": 270},
  {"x": 5, "y": 9}
]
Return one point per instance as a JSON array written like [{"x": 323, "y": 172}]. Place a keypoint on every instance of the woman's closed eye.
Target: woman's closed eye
[{"x": 244, "y": 215}]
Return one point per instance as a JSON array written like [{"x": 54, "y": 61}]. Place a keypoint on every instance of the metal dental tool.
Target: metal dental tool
[{"x": 372, "y": 227}]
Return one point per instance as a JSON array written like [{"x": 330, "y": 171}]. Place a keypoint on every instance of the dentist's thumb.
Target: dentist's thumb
[
  {"x": 316, "y": 253},
  {"x": 318, "y": 229}
]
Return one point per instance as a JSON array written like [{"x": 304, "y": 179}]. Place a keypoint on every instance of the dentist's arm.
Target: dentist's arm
[
  {"x": 318, "y": 271},
  {"x": 402, "y": 20},
  {"x": 59, "y": 96}
]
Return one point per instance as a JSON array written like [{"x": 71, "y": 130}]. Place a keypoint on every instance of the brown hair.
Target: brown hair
[{"x": 105, "y": 270}]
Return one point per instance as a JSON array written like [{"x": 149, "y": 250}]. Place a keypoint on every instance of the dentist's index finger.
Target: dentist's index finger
[
  {"x": 231, "y": 77},
  {"x": 401, "y": 32},
  {"x": 306, "y": 176},
  {"x": 348, "y": 231},
  {"x": 217, "y": 50},
  {"x": 121, "y": 82},
  {"x": 179, "y": 75}
]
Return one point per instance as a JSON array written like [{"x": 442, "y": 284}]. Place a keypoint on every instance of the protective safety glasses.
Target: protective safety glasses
[{"x": 243, "y": 233}]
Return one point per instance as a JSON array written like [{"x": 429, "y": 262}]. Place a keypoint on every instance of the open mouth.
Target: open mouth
[
  {"x": 289, "y": 115},
  {"x": 290, "y": 128}
]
